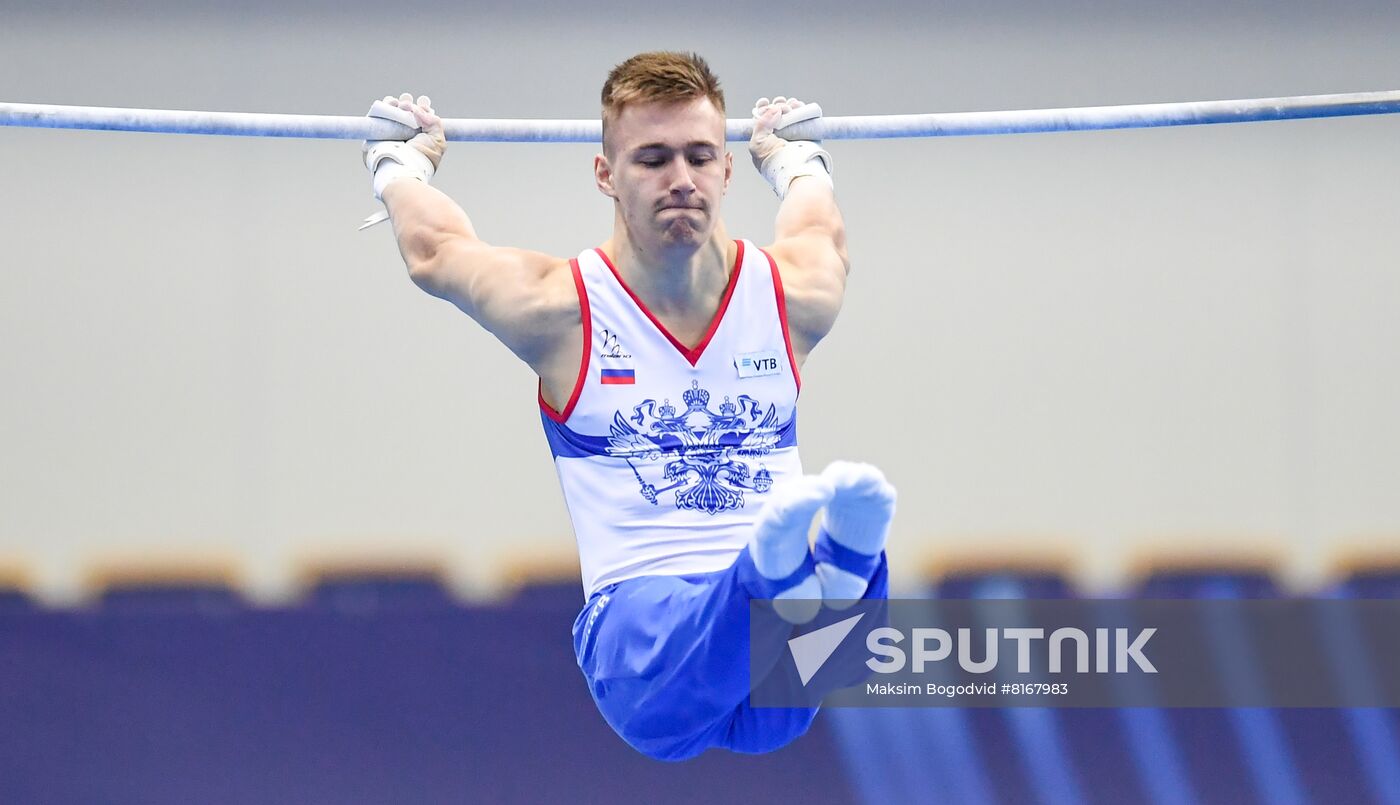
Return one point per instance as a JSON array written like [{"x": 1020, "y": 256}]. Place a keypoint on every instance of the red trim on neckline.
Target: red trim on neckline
[
  {"x": 562, "y": 416},
  {"x": 783, "y": 319},
  {"x": 691, "y": 354}
]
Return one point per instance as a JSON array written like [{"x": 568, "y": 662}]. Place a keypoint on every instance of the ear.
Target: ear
[
  {"x": 602, "y": 175},
  {"x": 728, "y": 168}
]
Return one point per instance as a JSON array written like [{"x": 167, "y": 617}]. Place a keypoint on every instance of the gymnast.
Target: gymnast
[{"x": 669, "y": 362}]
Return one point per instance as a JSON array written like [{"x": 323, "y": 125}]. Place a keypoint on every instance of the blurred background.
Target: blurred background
[{"x": 277, "y": 526}]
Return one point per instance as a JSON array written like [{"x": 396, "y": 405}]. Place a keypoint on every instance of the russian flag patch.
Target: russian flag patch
[{"x": 617, "y": 377}]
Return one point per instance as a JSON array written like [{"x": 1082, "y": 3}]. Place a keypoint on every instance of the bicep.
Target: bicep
[{"x": 526, "y": 299}]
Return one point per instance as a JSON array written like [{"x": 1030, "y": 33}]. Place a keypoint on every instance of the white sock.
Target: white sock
[
  {"x": 861, "y": 508},
  {"x": 840, "y": 588},
  {"x": 801, "y": 602},
  {"x": 778, "y": 546},
  {"x": 779, "y": 542},
  {"x": 858, "y": 517}
]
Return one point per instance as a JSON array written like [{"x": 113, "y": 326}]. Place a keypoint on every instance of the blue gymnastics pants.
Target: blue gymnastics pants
[{"x": 667, "y": 661}]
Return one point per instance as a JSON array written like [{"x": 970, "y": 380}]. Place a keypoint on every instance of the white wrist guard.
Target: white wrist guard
[
  {"x": 390, "y": 160},
  {"x": 796, "y": 158}
]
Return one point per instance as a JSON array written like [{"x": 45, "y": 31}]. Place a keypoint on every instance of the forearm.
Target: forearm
[{"x": 425, "y": 220}]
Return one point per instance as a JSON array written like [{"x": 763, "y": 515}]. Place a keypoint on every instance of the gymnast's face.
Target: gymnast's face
[{"x": 666, "y": 167}]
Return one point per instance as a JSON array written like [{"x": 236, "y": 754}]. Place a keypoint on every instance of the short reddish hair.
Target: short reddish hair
[{"x": 659, "y": 77}]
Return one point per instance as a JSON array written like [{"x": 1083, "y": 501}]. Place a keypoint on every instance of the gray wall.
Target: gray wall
[{"x": 1098, "y": 344}]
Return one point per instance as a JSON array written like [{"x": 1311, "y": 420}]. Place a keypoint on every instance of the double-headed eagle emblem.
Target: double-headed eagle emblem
[{"x": 701, "y": 448}]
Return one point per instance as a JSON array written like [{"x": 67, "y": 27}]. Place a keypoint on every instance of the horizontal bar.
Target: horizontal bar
[{"x": 867, "y": 127}]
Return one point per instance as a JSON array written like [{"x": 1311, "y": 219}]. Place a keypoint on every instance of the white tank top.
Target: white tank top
[{"x": 666, "y": 453}]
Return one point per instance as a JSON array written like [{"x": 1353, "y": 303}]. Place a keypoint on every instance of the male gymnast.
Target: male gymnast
[{"x": 669, "y": 360}]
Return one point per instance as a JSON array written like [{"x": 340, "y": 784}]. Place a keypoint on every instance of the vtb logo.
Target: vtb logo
[{"x": 761, "y": 364}]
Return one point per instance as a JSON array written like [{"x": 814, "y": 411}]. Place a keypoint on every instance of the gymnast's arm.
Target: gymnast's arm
[
  {"x": 526, "y": 299},
  {"x": 809, "y": 247}
]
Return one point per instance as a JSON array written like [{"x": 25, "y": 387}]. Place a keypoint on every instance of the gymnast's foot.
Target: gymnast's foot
[
  {"x": 779, "y": 546},
  {"x": 854, "y": 530}
]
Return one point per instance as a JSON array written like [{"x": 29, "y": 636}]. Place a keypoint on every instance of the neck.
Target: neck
[{"x": 681, "y": 281}]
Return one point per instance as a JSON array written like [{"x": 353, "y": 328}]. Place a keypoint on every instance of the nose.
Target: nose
[{"x": 682, "y": 181}]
